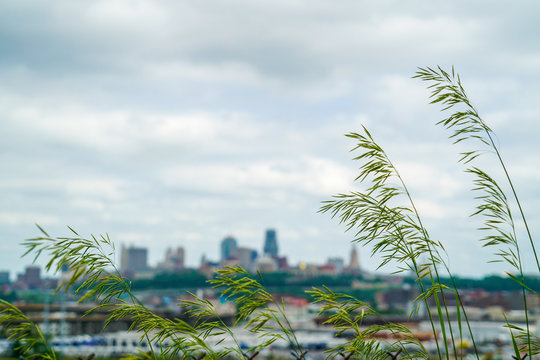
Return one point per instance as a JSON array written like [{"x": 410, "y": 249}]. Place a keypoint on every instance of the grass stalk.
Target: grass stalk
[
  {"x": 516, "y": 198},
  {"x": 467, "y": 125},
  {"x": 433, "y": 263}
]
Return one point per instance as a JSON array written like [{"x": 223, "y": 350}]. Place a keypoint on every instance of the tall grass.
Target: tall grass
[{"x": 383, "y": 217}]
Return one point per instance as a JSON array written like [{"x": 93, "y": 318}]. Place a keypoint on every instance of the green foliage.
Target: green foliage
[
  {"x": 491, "y": 283},
  {"x": 253, "y": 304},
  {"x": 88, "y": 260},
  {"x": 348, "y": 314},
  {"x": 184, "y": 280},
  {"x": 275, "y": 282},
  {"x": 8, "y": 295},
  {"x": 379, "y": 218},
  {"x": 467, "y": 126},
  {"x": 383, "y": 216},
  {"x": 26, "y": 335},
  {"x": 376, "y": 217}
]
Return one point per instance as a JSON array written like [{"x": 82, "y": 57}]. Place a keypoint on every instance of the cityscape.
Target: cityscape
[
  {"x": 134, "y": 260},
  {"x": 134, "y": 263},
  {"x": 490, "y": 301},
  {"x": 233, "y": 149}
]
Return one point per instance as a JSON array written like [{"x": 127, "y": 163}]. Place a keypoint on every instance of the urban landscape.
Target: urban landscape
[
  {"x": 489, "y": 301},
  {"x": 269, "y": 180}
]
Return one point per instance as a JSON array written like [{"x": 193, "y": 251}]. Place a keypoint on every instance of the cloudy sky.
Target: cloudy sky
[{"x": 176, "y": 123}]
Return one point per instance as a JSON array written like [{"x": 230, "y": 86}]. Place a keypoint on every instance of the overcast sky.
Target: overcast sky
[{"x": 176, "y": 123}]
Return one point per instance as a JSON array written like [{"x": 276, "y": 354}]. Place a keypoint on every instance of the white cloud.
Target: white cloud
[
  {"x": 431, "y": 209},
  {"x": 429, "y": 180},
  {"x": 229, "y": 73},
  {"x": 96, "y": 188},
  {"x": 29, "y": 218},
  {"x": 314, "y": 175}
]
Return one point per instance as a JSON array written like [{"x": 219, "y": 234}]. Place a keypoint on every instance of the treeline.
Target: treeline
[
  {"x": 494, "y": 283},
  {"x": 490, "y": 283},
  {"x": 279, "y": 283},
  {"x": 193, "y": 279},
  {"x": 183, "y": 280},
  {"x": 285, "y": 282}
]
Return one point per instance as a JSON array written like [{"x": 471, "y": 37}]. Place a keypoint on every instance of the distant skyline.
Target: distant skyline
[
  {"x": 135, "y": 258},
  {"x": 175, "y": 123}
]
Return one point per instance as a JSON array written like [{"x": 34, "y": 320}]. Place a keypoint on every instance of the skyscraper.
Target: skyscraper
[
  {"x": 228, "y": 245},
  {"x": 354, "y": 264},
  {"x": 31, "y": 278},
  {"x": 133, "y": 259},
  {"x": 270, "y": 243},
  {"x": 245, "y": 257},
  {"x": 174, "y": 260},
  {"x": 4, "y": 277}
]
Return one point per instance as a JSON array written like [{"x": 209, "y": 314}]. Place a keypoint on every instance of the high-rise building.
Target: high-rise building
[
  {"x": 282, "y": 263},
  {"x": 270, "y": 243},
  {"x": 174, "y": 260},
  {"x": 4, "y": 277},
  {"x": 245, "y": 257},
  {"x": 133, "y": 259},
  {"x": 31, "y": 278},
  {"x": 354, "y": 264},
  {"x": 228, "y": 245},
  {"x": 337, "y": 262}
]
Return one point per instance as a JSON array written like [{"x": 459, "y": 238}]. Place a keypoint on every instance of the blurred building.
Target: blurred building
[
  {"x": 245, "y": 257},
  {"x": 266, "y": 263},
  {"x": 338, "y": 263},
  {"x": 327, "y": 269},
  {"x": 282, "y": 263},
  {"x": 30, "y": 278},
  {"x": 228, "y": 246},
  {"x": 133, "y": 260},
  {"x": 174, "y": 260},
  {"x": 354, "y": 263},
  {"x": 4, "y": 278},
  {"x": 207, "y": 267},
  {"x": 396, "y": 298},
  {"x": 270, "y": 243}
]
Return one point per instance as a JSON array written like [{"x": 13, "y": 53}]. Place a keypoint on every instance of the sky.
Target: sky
[{"x": 177, "y": 123}]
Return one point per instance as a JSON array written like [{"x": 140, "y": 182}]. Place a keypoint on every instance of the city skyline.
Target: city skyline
[
  {"x": 162, "y": 123},
  {"x": 135, "y": 259}
]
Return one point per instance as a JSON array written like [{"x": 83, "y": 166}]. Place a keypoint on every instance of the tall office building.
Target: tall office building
[
  {"x": 228, "y": 246},
  {"x": 174, "y": 260},
  {"x": 245, "y": 257},
  {"x": 270, "y": 243},
  {"x": 338, "y": 263},
  {"x": 133, "y": 259},
  {"x": 31, "y": 278},
  {"x": 4, "y": 277},
  {"x": 354, "y": 264}
]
